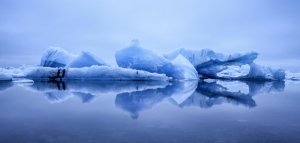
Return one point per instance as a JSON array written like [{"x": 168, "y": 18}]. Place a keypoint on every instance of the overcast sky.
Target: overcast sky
[{"x": 270, "y": 27}]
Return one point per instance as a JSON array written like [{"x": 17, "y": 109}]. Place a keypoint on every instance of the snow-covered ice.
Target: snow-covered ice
[
  {"x": 135, "y": 57},
  {"x": 92, "y": 73}
]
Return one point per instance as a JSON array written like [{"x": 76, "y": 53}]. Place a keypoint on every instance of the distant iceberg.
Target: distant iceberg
[
  {"x": 292, "y": 76},
  {"x": 217, "y": 65},
  {"x": 135, "y": 57}
]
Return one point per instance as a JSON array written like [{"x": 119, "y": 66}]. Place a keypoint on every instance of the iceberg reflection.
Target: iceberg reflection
[
  {"x": 201, "y": 94},
  {"x": 4, "y": 85},
  {"x": 87, "y": 91},
  {"x": 133, "y": 97}
]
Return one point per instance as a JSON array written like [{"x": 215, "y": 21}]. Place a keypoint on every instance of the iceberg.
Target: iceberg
[
  {"x": 91, "y": 73},
  {"x": 56, "y": 57},
  {"x": 135, "y": 57},
  {"x": 5, "y": 77},
  {"x": 292, "y": 76},
  {"x": 86, "y": 59},
  {"x": 217, "y": 65}
]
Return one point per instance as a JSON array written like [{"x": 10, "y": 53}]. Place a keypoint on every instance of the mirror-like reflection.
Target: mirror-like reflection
[
  {"x": 4, "y": 85},
  {"x": 135, "y": 97}
]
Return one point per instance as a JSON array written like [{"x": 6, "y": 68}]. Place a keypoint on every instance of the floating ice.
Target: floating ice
[
  {"x": 5, "y": 77},
  {"x": 258, "y": 72},
  {"x": 86, "y": 59},
  {"x": 14, "y": 72},
  {"x": 23, "y": 81},
  {"x": 218, "y": 65},
  {"x": 56, "y": 57},
  {"x": 135, "y": 57},
  {"x": 92, "y": 73},
  {"x": 292, "y": 76}
]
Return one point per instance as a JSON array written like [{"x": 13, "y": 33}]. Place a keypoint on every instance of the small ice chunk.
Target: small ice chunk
[
  {"x": 6, "y": 77},
  {"x": 210, "y": 80},
  {"x": 86, "y": 59}
]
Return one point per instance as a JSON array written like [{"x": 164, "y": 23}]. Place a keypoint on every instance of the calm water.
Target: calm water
[{"x": 190, "y": 111}]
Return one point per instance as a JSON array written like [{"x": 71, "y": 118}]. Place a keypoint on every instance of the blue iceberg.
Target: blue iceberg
[
  {"x": 211, "y": 64},
  {"x": 135, "y": 57}
]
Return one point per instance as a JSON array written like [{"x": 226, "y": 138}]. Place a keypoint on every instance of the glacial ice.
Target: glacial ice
[
  {"x": 135, "y": 57},
  {"x": 218, "y": 65},
  {"x": 234, "y": 71},
  {"x": 180, "y": 64},
  {"x": 86, "y": 59},
  {"x": 56, "y": 57},
  {"x": 91, "y": 73}
]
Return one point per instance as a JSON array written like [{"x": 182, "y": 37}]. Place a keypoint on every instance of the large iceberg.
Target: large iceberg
[
  {"x": 56, "y": 57},
  {"x": 179, "y": 64},
  {"x": 91, "y": 73},
  {"x": 217, "y": 65},
  {"x": 135, "y": 57}
]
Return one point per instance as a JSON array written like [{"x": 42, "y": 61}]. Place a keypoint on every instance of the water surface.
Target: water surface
[{"x": 183, "y": 111}]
